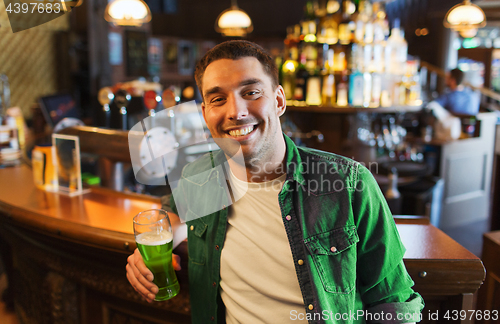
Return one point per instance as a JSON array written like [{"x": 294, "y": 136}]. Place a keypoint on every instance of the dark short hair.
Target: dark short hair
[
  {"x": 458, "y": 75},
  {"x": 234, "y": 50}
]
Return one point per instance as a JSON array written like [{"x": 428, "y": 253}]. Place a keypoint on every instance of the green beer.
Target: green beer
[{"x": 156, "y": 250}]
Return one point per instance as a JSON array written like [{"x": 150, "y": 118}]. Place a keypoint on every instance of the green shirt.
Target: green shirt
[{"x": 338, "y": 225}]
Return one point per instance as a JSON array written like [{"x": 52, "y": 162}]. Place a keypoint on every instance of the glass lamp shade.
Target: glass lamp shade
[
  {"x": 127, "y": 12},
  {"x": 469, "y": 33},
  {"x": 465, "y": 16},
  {"x": 233, "y": 22}
]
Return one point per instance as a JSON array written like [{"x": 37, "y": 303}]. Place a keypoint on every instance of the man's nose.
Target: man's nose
[{"x": 237, "y": 108}]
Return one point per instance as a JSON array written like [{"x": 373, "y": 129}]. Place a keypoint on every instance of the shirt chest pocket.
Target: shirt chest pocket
[
  {"x": 196, "y": 238},
  {"x": 334, "y": 256}
]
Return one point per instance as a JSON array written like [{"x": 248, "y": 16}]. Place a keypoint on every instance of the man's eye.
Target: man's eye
[
  {"x": 252, "y": 93},
  {"x": 216, "y": 100}
]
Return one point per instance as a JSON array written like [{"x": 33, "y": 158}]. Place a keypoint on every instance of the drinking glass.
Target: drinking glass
[{"x": 154, "y": 238}]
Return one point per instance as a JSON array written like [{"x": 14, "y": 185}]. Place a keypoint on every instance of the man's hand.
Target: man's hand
[{"x": 141, "y": 278}]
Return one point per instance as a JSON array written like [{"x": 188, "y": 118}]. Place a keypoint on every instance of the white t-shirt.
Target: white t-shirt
[{"x": 258, "y": 279}]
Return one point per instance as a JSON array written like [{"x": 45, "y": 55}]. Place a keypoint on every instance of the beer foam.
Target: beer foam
[{"x": 153, "y": 238}]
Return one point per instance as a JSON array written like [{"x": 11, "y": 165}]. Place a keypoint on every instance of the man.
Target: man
[
  {"x": 312, "y": 239},
  {"x": 459, "y": 99}
]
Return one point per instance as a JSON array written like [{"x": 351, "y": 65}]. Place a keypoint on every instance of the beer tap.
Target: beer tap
[
  {"x": 105, "y": 98},
  {"x": 169, "y": 100},
  {"x": 151, "y": 99},
  {"x": 122, "y": 99}
]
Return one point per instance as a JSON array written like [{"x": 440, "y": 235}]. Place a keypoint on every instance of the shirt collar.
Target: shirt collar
[{"x": 294, "y": 167}]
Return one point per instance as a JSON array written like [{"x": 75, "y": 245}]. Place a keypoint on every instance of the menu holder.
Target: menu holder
[
  {"x": 10, "y": 153},
  {"x": 67, "y": 164}
]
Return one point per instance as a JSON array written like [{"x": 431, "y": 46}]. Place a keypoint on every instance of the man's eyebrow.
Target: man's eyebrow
[
  {"x": 250, "y": 82},
  {"x": 212, "y": 90},
  {"x": 242, "y": 84}
]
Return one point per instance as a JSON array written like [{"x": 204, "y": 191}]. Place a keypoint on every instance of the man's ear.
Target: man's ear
[
  {"x": 203, "y": 111},
  {"x": 280, "y": 100}
]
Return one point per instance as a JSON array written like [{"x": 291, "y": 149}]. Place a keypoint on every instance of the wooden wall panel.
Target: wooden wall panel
[{"x": 28, "y": 58}]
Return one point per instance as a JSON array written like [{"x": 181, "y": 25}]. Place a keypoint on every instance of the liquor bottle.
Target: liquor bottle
[
  {"x": 377, "y": 63},
  {"x": 310, "y": 45},
  {"x": 402, "y": 51},
  {"x": 313, "y": 84},
  {"x": 367, "y": 89},
  {"x": 339, "y": 58},
  {"x": 356, "y": 88},
  {"x": 376, "y": 90},
  {"x": 396, "y": 49},
  {"x": 356, "y": 57},
  {"x": 380, "y": 24},
  {"x": 367, "y": 58},
  {"x": 309, "y": 10},
  {"x": 320, "y": 10},
  {"x": 345, "y": 32},
  {"x": 361, "y": 19},
  {"x": 343, "y": 90},
  {"x": 328, "y": 31},
  {"x": 301, "y": 77},
  {"x": 399, "y": 90},
  {"x": 386, "y": 91},
  {"x": 313, "y": 88},
  {"x": 328, "y": 91},
  {"x": 289, "y": 69},
  {"x": 332, "y": 6},
  {"x": 369, "y": 27}
]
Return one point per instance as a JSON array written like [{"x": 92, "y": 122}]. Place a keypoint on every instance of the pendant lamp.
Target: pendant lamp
[
  {"x": 127, "y": 12},
  {"x": 465, "y": 18},
  {"x": 234, "y": 22}
]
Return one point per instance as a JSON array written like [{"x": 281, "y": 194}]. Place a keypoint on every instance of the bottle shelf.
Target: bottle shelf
[{"x": 353, "y": 110}]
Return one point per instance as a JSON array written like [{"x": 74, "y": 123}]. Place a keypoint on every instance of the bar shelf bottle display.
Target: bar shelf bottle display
[{"x": 339, "y": 43}]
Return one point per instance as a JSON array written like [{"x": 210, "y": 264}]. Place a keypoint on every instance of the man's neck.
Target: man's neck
[{"x": 261, "y": 170}]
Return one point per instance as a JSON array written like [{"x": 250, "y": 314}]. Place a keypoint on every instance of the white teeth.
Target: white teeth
[{"x": 241, "y": 132}]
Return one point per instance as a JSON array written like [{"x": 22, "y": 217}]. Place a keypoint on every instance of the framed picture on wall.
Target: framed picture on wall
[
  {"x": 170, "y": 53},
  {"x": 185, "y": 57},
  {"x": 155, "y": 53},
  {"x": 136, "y": 51}
]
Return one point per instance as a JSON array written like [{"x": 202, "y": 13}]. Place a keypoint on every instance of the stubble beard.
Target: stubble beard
[{"x": 257, "y": 162}]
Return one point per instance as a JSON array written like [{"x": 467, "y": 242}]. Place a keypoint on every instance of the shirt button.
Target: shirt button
[
  {"x": 217, "y": 247},
  {"x": 212, "y": 318},
  {"x": 300, "y": 262},
  {"x": 288, "y": 217},
  {"x": 214, "y": 284},
  {"x": 311, "y": 307},
  {"x": 192, "y": 227},
  {"x": 333, "y": 249}
]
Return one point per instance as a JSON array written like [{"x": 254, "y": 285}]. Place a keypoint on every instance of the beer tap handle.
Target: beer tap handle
[
  {"x": 105, "y": 98},
  {"x": 169, "y": 100},
  {"x": 151, "y": 100},
  {"x": 122, "y": 99}
]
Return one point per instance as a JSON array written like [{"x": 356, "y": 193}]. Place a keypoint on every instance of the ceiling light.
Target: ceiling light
[
  {"x": 127, "y": 12},
  {"x": 465, "y": 18},
  {"x": 234, "y": 22}
]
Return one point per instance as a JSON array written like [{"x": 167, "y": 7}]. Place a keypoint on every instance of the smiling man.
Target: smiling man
[{"x": 309, "y": 238}]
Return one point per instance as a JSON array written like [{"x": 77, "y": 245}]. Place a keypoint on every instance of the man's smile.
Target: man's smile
[{"x": 241, "y": 131}]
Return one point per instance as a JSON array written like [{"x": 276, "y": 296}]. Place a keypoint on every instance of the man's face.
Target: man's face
[
  {"x": 241, "y": 104},
  {"x": 450, "y": 81}
]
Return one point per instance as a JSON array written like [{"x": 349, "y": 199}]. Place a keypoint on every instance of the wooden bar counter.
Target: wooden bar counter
[{"x": 66, "y": 257}]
